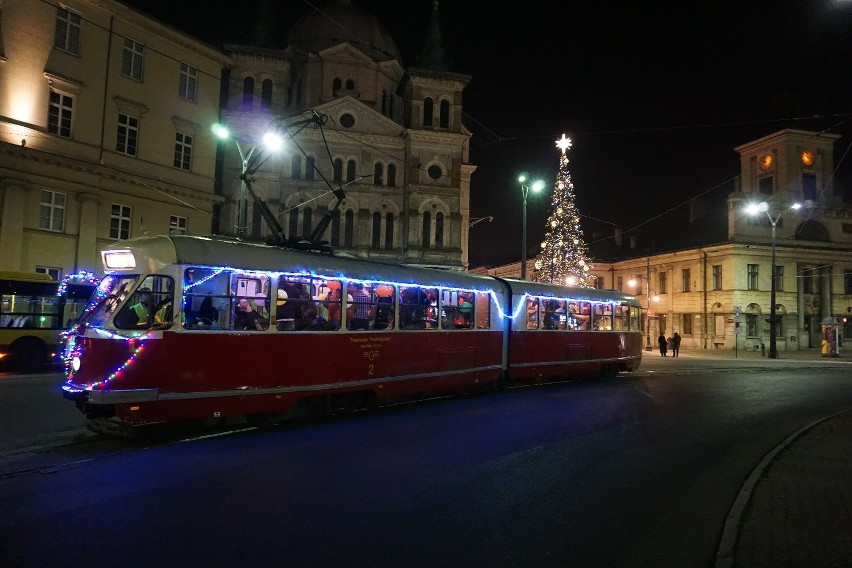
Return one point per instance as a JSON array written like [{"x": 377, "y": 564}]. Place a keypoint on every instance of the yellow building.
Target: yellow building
[{"x": 104, "y": 131}]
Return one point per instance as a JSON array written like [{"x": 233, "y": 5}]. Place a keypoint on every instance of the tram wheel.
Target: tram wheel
[
  {"x": 262, "y": 420},
  {"x": 609, "y": 370}
]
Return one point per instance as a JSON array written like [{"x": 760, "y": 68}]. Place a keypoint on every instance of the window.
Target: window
[
  {"x": 661, "y": 278},
  {"x": 119, "y": 222},
  {"x": 809, "y": 187},
  {"x": 54, "y": 273},
  {"x": 389, "y": 231},
  {"x": 779, "y": 278},
  {"x": 336, "y": 83},
  {"x": 351, "y": 170},
  {"x": 177, "y": 225},
  {"x": 427, "y": 229},
  {"x": 67, "y": 36},
  {"x": 847, "y": 282},
  {"x": 266, "y": 93},
  {"x": 183, "y": 151},
  {"x": 347, "y": 120},
  {"x": 293, "y": 224},
  {"x": 619, "y": 284},
  {"x": 188, "y": 82},
  {"x": 764, "y": 185},
  {"x": 686, "y": 321},
  {"x": 435, "y": 172},
  {"x": 751, "y": 325},
  {"x": 428, "y": 110},
  {"x": 685, "y": 280},
  {"x": 310, "y": 168},
  {"x": 751, "y": 283},
  {"x": 248, "y": 91},
  {"x": 52, "y": 211},
  {"x": 127, "y": 135},
  {"x": 59, "y": 114},
  {"x": 377, "y": 230},
  {"x": 807, "y": 281},
  {"x": 458, "y": 309},
  {"x": 391, "y": 175},
  {"x": 337, "y": 174},
  {"x": 350, "y": 85},
  {"x": 349, "y": 229},
  {"x": 532, "y": 313},
  {"x": 335, "y": 228},
  {"x": 717, "y": 276},
  {"x": 296, "y": 167},
  {"x": 418, "y": 308},
  {"x": 378, "y": 174},
  {"x": 131, "y": 64},
  {"x": 640, "y": 289},
  {"x": 439, "y": 230},
  {"x": 307, "y": 222},
  {"x": 445, "y": 114}
]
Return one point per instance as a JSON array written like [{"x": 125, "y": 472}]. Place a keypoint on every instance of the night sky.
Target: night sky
[{"x": 655, "y": 95}]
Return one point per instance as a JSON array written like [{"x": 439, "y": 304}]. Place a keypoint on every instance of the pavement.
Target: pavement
[{"x": 795, "y": 508}]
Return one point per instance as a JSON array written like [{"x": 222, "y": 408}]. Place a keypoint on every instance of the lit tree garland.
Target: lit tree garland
[{"x": 563, "y": 258}]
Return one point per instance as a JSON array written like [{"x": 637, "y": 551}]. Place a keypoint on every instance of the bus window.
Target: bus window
[
  {"x": 532, "y": 313},
  {"x": 622, "y": 317},
  {"x": 483, "y": 310}
]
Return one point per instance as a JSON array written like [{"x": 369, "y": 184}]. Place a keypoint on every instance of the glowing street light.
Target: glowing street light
[
  {"x": 757, "y": 209},
  {"x": 536, "y": 186},
  {"x": 272, "y": 142}
]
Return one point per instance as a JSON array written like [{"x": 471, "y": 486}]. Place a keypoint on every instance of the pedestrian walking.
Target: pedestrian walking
[
  {"x": 663, "y": 344},
  {"x": 675, "y": 344}
]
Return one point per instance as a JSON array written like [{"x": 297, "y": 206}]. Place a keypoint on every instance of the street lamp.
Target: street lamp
[
  {"x": 536, "y": 186},
  {"x": 633, "y": 283},
  {"x": 272, "y": 142},
  {"x": 757, "y": 209}
]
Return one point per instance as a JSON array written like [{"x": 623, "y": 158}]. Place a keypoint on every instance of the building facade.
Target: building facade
[
  {"x": 104, "y": 131},
  {"x": 718, "y": 296},
  {"x": 377, "y": 147}
]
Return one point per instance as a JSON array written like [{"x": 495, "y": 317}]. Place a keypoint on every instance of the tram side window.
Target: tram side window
[
  {"x": 635, "y": 321},
  {"x": 150, "y": 306},
  {"x": 249, "y": 302},
  {"x": 361, "y": 309},
  {"x": 602, "y": 317},
  {"x": 622, "y": 317},
  {"x": 302, "y": 304},
  {"x": 207, "y": 299},
  {"x": 579, "y": 316},
  {"x": 483, "y": 310},
  {"x": 457, "y": 309},
  {"x": 418, "y": 308},
  {"x": 385, "y": 298},
  {"x": 554, "y": 314},
  {"x": 532, "y": 313}
]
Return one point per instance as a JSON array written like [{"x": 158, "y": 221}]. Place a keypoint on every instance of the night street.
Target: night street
[{"x": 640, "y": 470}]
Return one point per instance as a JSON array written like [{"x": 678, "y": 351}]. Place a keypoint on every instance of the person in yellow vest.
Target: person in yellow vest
[{"x": 137, "y": 314}]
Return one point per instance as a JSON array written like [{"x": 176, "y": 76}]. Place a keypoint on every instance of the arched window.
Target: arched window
[
  {"x": 388, "y": 231},
  {"x": 439, "y": 230},
  {"x": 338, "y": 170},
  {"x": 336, "y": 84},
  {"x": 335, "y": 228},
  {"x": 248, "y": 91},
  {"x": 391, "y": 175},
  {"x": 310, "y": 168},
  {"x": 445, "y": 113},
  {"x": 349, "y": 229},
  {"x": 378, "y": 174},
  {"x": 307, "y": 221},
  {"x": 377, "y": 230},
  {"x": 293, "y": 228},
  {"x": 266, "y": 93},
  {"x": 427, "y": 111},
  {"x": 427, "y": 229},
  {"x": 351, "y": 170},
  {"x": 350, "y": 85},
  {"x": 384, "y": 103},
  {"x": 296, "y": 167}
]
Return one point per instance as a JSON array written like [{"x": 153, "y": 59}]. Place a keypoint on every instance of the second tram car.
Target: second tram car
[{"x": 187, "y": 328}]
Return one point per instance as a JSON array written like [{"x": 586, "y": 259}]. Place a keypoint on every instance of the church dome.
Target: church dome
[{"x": 339, "y": 22}]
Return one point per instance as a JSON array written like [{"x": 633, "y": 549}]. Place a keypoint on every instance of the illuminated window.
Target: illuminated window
[
  {"x": 686, "y": 321},
  {"x": 67, "y": 36},
  {"x": 131, "y": 64},
  {"x": 752, "y": 277},
  {"x": 52, "y": 211},
  {"x": 177, "y": 225},
  {"x": 662, "y": 282},
  {"x": 183, "y": 151},
  {"x": 188, "y": 85},
  {"x": 127, "y": 135},
  {"x": 717, "y": 276},
  {"x": 685, "y": 280},
  {"x": 59, "y": 114},
  {"x": 119, "y": 222}
]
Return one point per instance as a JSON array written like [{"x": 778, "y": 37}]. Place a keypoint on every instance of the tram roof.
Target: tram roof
[
  {"x": 572, "y": 292},
  {"x": 156, "y": 252}
]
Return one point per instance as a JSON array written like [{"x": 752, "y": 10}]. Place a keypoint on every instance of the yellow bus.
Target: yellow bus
[{"x": 34, "y": 311}]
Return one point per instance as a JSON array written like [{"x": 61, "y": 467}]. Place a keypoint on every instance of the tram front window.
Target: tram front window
[
  {"x": 109, "y": 295},
  {"x": 151, "y": 305}
]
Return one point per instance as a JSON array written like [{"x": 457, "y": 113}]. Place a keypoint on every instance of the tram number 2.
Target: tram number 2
[{"x": 370, "y": 369}]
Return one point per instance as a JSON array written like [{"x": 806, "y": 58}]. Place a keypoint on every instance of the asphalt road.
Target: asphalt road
[{"x": 634, "y": 471}]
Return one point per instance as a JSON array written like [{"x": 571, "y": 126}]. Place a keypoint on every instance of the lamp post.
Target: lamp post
[
  {"x": 756, "y": 209},
  {"x": 633, "y": 282},
  {"x": 536, "y": 186},
  {"x": 271, "y": 141}
]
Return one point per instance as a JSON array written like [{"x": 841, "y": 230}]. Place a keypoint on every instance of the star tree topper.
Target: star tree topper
[{"x": 563, "y": 143}]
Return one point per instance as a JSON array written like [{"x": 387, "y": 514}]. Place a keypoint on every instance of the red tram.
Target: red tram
[{"x": 188, "y": 328}]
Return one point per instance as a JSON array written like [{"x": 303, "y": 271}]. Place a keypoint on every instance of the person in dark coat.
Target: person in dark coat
[
  {"x": 675, "y": 344},
  {"x": 663, "y": 344}
]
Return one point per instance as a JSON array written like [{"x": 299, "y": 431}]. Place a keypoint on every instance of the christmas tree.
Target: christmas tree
[{"x": 563, "y": 256}]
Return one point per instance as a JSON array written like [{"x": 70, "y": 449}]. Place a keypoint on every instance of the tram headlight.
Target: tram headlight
[{"x": 75, "y": 363}]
